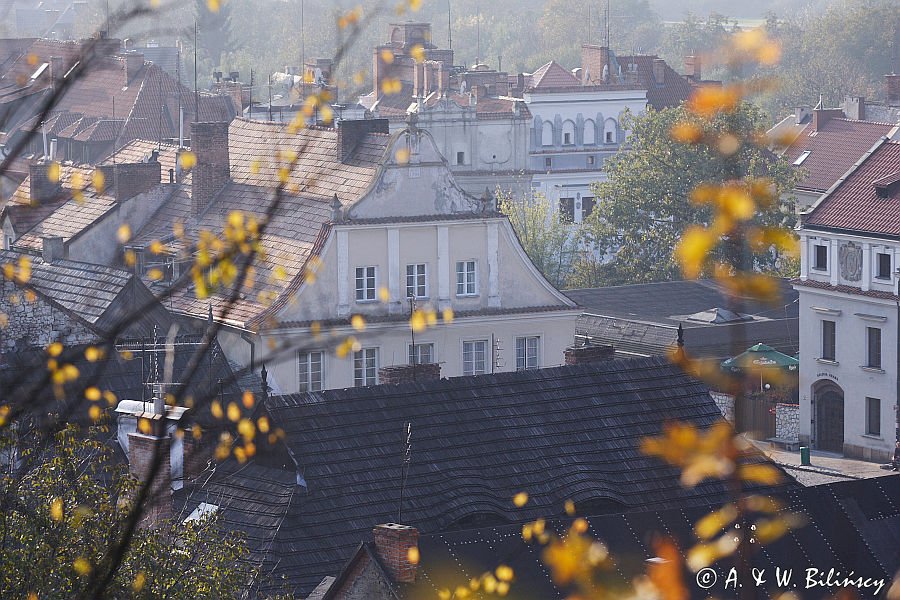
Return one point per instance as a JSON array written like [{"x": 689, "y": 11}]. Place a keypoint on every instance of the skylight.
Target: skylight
[
  {"x": 803, "y": 156},
  {"x": 203, "y": 511}
]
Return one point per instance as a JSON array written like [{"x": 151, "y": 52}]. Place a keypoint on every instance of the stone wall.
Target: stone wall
[
  {"x": 725, "y": 402},
  {"x": 787, "y": 421},
  {"x": 36, "y": 323}
]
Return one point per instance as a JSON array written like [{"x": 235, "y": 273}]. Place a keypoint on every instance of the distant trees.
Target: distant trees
[
  {"x": 214, "y": 34},
  {"x": 649, "y": 200}
]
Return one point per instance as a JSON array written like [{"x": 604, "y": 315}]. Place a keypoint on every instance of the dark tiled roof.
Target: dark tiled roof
[
  {"x": 644, "y": 318},
  {"x": 856, "y": 205},
  {"x": 853, "y": 526},
  {"x": 567, "y": 432},
  {"x": 845, "y": 289},
  {"x": 834, "y": 148}
]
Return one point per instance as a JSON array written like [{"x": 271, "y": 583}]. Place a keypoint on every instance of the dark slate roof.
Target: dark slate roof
[
  {"x": 643, "y": 318},
  {"x": 561, "y": 433},
  {"x": 853, "y": 526}
]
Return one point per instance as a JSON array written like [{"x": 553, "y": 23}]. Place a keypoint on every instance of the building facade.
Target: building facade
[{"x": 848, "y": 285}]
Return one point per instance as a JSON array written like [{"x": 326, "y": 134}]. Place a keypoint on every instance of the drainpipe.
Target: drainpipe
[{"x": 247, "y": 337}]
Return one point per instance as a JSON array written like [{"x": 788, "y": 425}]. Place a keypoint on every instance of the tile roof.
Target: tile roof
[
  {"x": 844, "y": 289},
  {"x": 855, "y": 204},
  {"x": 833, "y": 149},
  {"x": 81, "y": 289},
  {"x": 853, "y": 527},
  {"x": 674, "y": 90},
  {"x": 553, "y": 75},
  {"x": 477, "y": 441},
  {"x": 138, "y": 150}
]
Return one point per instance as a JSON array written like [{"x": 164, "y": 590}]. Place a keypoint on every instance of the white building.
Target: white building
[{"x": 849, "y": 315}]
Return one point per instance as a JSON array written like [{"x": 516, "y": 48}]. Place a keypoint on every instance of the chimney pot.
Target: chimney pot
[{"x": 392, "y": 543}]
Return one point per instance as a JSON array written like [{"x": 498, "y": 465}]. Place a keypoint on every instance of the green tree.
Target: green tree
[
  {"x": 66, "y": 502},
  {"x": 649, "y": 201},
  {"x": 214, "y": 34},
  {"x": 552, "y": 244}
]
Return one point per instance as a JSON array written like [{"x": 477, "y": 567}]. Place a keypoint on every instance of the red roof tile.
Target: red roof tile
[
  {"x": 856, "y": 205},
  {"x": 833, "y": 149},
  {"x": 553, "y": 75}
]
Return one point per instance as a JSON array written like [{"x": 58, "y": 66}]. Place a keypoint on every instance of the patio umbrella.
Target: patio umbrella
[{"x": 761, "y": 356}]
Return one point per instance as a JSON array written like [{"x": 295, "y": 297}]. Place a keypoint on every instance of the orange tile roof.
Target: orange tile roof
[{"x": 553, "y": 75}]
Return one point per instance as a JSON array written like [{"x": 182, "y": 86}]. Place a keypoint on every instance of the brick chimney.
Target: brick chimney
[
  {"x": 409, "y": 373},
  {"x": 52, "y": 249},
  {"x": 209, "y": 143},
  {"x": 379, "y": 68},
  {"x": 892, "y": 83},
  {"x": 692, "y": 67},
  {"x": 134, "y": 62},
  {"x": 589, "y": 353},
  {"x": 57, "y": 70},
  {"x": 141, "y": 451},
  {"x": 821, "y": 116},
  {"x": 659, "y": 71},
  {"x": 130, "y": 179},
  {"x": 392, "y": 543},
  {"x": 42, "y": 188},
  {"x": 195, "y": 457},
  {"x": 350, "y": 133}
]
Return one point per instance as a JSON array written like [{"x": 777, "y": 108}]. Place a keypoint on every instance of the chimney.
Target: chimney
[
  {"x": 379, "y": 68},
  {"x": 692, "y": 67},
  {"x": 801, "y": 113},
  {"x": 52, "y": 249},
  {"x": 209, "y": 142},
  {"x": 659, "y": 71},
  {"x": 892, "y": 83},
  {"x": 134, "y": 62},
  {"x": 855, "y": 108},
  {"x": 141, "y": 451},
  {"x": 351, "y": 132},
  {"x": 42, "y": 188},
  {"x": 392, "y": 543},
  {"x": 398, "y": 374},
  {"x": 57, "y": 70},
  {"x": 130, "y": 179},
  {"x": 195, "y": 457},
  {"x": 821, "y": 116},
  {"x": 589, "y": 353}
]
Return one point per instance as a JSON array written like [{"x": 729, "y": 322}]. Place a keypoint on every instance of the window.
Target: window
[
  {"x": 365, "y": 367},
  {"x": 883, "y": 264},
  {"x": 416, "y": 281},
  {"x": 421, "y": 354},
  {"x": 609, "y": 137},
  {"x": 466, "y": 278},
  {"x": 310, "y": 371},
  {"x": 821, "y": 258},
  {"x": 587, "y": 207},
  {"x": 475, "y": 357},
  {"x": 365, "y": 284},
  {"x": 527, "y": 353},
  {"x": 547, "y": 134},
  {"x": 548, "y": 162},
  {"x": 803, "y": 156},
  {"x": 460, "y": 158},
  {"x": 567, "y": 139},
  {"x": 9, "y": 243},
  {"x": 873, "y": 416},
  {"x": 589, "y": 132},
  {"x": 567, "y": 210},
  {"x": 828, "y": 340},
  {"x": 591, "y": 160},
  {"x": 873, "y": 347}
]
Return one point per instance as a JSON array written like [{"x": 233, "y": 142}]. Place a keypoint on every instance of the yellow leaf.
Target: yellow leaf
[
  {"x": 686, "y": 133},
  {"x": 187, "y": 160},
  {"x": 447, "y": 315},
  {"x": 713, "y": 523},
  {"x": 520, "y": 499},
  {"x": 234, "y": 413},
  {"x": 247, "y": 429},
  {"x": 139, "y": 580},
  {"x": 247, "y": 399},
  {"x": 124, "y": 233},
  {"x": 693, "y": 249},
  {"x": 761, "y": 473},
  {"x": 95, "y": 413},
  {"x": 570, "y": 508},
  {"x": 53, "y": 172},
  {"x": 216, "y": 409},
  {"x": 55, "y": 349},
  {"x": 93, "y": 394},
  {"x": 387, "y": 55},
  {"x": 402, "y": 156},
  {"x": 418, "y": 53},
  {"x": 358, "y": 322},
  {"x": 504, "y": 573},
  {"x": 154, "y": 274},
  {"x": 213, "y": 5},
  {"x": 412, "y": 555},
  {"x": 263, "y": 424},
  {"x": 417, "y": 321},
  {"x": 98, "y": 180},
  {"x": 56, "y": 509},
  {"x": 82, "y": 566},
  {"x": 383, "y": 294}
]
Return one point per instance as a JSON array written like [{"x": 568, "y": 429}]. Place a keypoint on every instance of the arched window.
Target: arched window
[
  {"x": 547, "y": 134},
  {"x": 589, "y": 133},
  {"x": 568, "y": 133},
  {"x": 609, "y": 131}
]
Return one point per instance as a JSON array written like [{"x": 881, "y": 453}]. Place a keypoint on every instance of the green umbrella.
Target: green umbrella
[{"x": 761, "y": 356}]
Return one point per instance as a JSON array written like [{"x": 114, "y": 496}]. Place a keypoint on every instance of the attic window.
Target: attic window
[
  {"x": 202, "y": 512},
  {"x": 803, "y": 156},
  {"x": 39, "y": 70}
]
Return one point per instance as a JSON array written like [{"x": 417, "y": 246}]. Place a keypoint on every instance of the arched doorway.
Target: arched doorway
[{"x": 829, "y": 399}]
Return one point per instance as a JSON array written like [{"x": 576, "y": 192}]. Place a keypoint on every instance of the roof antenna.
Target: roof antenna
[
  {"x": 680, "y": 340},
  {"x": 406, "y": 458},
  {"x": 478, "y": 31},
  {"x": 449, "y": 26},
  {"x": 607, "y": 24}
]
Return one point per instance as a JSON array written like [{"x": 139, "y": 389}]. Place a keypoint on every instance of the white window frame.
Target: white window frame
[
  {"x": 474, "y": 364},
  {"x": 369, "y": 294},
  {"x": 419, "y": 346},
  {"x": 305, "y": 371},
  {"x": 876, "y": 263},
  {"x": 465, "y": 279},
  {"x": 417, "y": 285},
  {"x": 524, "y": 364},
  {"x": 869, "y": 356},
  {"x": 361, "y": 375},
  {"x": 813, "y": 266}
]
